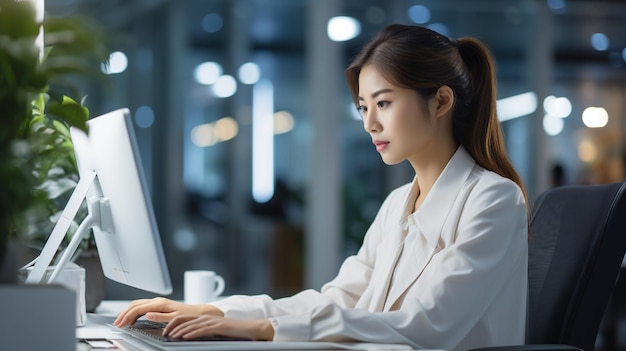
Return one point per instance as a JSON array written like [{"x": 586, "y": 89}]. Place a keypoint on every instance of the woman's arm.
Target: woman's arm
[{"x": 344, "y": 290}]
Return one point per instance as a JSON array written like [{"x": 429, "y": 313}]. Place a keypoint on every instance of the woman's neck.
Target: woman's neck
[{"x": 428, "y": 169}]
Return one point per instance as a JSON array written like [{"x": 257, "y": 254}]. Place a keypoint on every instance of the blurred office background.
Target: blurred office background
[{"x": 258, "y": 165}]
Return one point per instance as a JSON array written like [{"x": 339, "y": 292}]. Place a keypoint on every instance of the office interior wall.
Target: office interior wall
[{"x": 202, "y": 194}]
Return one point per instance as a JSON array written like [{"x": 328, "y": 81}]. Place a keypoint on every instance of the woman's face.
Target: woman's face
[{"x": 401, "y": 124}]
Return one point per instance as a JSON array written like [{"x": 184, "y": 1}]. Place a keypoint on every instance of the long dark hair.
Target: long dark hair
[{"x": 418, "y": 58}]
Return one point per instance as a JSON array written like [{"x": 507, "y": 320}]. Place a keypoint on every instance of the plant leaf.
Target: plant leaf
[
  {"x": 56, "y": 188},
  {"x": 69, "y": 111}
]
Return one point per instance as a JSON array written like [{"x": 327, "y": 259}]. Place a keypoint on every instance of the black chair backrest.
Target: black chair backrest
[{"x": 577, "y": 244}]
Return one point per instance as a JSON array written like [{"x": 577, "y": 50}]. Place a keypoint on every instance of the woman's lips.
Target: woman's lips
[{"x": 381, "y": 145}]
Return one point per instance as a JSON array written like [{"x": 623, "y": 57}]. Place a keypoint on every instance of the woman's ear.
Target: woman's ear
[{"x": 443, "y": 101}]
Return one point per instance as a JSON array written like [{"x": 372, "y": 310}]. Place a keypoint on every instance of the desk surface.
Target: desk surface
[
  {"x": 96, "y": 328},
  {"x": 111, "y": 307}
]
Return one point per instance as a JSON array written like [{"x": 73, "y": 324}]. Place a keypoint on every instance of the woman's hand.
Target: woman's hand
[
  {"x": 160, "y": 309},
  {"x": 194, "y": 327}
]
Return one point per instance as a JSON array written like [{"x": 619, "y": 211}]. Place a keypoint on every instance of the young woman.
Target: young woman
[{"x": 444, "y": 263}]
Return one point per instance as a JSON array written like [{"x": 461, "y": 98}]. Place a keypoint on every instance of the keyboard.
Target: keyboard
[{"x": 154, "y": 330}]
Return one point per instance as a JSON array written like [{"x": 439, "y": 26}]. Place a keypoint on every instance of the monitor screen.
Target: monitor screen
[{"x": 129, "y": 245}]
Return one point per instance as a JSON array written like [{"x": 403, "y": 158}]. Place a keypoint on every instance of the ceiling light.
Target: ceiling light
[
  {"x": 283, "y": 122},
  {"x": 556, "y": 5},
  {"x": 600, "y": 41},
  {"x": 263, "y": 141},
  {"x": 557, "y": 106},
  {"x": 516, "y": 106},
  {"x": 144, "y": 117},
  {"x": 595, "y": 117},
  {"x": 552, "y": 125},
  {"x": 343, "y": 28},
  {"x": 225, "y": 86},
  {"x": 419, "y": 14},
  {"x": 249, "y": 73},
  {"x": 212, "y": 23},
  {"x": 118, "y": 62},
  {"x": 226, "y": 128},
  {"x": 587, "y": 151},
  {"x": 203, "y": 135},
  {"x": 207, "y": 73}
]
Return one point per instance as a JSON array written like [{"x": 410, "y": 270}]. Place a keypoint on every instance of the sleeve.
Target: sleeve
[
  {"x": 354, "y": 274},
  {"x": 344, "y": 290},
  {"x": 454, "y": 290},
  {"x": 356, "y": 271}
]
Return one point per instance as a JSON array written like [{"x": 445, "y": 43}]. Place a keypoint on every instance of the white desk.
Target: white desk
[{"x": 96, "y": 328}]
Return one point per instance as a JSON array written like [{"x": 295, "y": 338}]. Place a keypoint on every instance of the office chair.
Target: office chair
[{"x": 576, "y": 247}]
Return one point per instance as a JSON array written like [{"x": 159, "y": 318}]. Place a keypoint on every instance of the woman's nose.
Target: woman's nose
[{"x": 370, "y": 122}]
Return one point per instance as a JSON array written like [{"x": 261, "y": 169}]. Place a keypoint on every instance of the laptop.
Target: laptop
[{"x": 150, "y": 333}]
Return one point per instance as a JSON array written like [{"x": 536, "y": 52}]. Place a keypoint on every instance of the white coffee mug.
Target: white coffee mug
[{"x": 202, "y": 286}]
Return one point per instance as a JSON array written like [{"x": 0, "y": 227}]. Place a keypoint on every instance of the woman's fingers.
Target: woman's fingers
[
  {"x": 160, "y": 309},
  {"x": 198, "y": 333},
  {"x": 128, "y": 311},
  {"x": 174, "y": 327},
  {"x": 139, "y": 308},
  {"x": 128, "y": 315},
  {"x": 161, "y": 317},
  {"x": 191, "y": 327}
]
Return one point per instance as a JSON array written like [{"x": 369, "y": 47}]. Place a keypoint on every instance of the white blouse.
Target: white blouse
[{"x": 452, "y": 275}]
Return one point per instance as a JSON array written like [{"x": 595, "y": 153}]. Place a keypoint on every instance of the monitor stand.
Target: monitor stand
[{"x": 99, "y": 214}]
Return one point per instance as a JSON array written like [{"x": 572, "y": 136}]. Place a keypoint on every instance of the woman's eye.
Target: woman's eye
[
  {"x": 361, "y": 109},
  {"x": 382, "y": 104}
]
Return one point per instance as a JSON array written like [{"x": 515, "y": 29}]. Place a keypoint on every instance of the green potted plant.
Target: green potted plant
[
  {"x": 56, "y": 175},
  {"x": 37, "y": 167}
]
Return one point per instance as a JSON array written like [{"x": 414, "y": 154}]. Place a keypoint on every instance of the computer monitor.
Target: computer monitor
[{"x": 120, "y": 210}]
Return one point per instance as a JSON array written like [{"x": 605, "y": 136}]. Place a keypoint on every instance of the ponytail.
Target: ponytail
[{"x": 478, "y": 128}]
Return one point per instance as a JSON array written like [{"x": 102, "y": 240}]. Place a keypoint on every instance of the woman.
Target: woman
[{"x": 444, "y": 263}]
